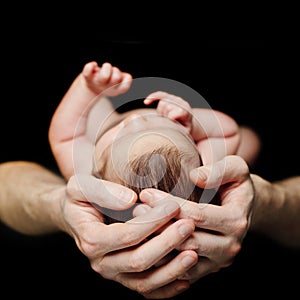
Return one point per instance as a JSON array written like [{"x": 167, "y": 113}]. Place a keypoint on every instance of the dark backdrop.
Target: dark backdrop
[{"x": 246, "y": 78}]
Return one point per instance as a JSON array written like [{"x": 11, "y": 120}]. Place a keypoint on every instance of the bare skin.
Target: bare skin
[
  {"x": 86, "y": 114},
  {"x": 44, "y": 204},
  {"x": 165, "y": 281}
]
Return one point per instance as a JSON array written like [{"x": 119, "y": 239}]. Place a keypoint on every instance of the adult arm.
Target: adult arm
[
  {"x": 27, "y": 198},
  {"x": 276, "y": 212}
]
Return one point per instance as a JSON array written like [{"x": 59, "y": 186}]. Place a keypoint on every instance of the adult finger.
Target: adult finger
[
  {"x": 198, "y": 212},
  {"x": 231, "y": 168},
  {"x": 168, "y": 291},
  {"x": 219, "y": 248},
  {"x": 150, "y": 283},
  {"x": 103, "y": 193},
  {"x": 123, "y": 235},
  {"x": 206, "y": 216},
  {"x": 140, "y": 209},
  {"x": 203, "y": 267},
  {"x": 147, "y": 254}
]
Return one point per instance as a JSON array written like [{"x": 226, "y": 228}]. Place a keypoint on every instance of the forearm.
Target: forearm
[
  {"x": 277, "y": 210},
  {"x": 77, "y": 100},
  {"x": 30, "y": 198}
]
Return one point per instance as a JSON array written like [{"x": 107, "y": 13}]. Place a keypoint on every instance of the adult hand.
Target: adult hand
[
  {"x": 220, "y": 228},
  {"x": 124, "y": 252}
]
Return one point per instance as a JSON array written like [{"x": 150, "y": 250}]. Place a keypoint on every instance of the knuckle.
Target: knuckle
[
  {"x": 241, "y": 227},
  {"x": 191, "y": 244},
  {"x": 103, "y": 269},
  {"x": 143, "y": 288},
  {"x": 236, "y": 160},
  {"x": 130, "y": 238},
  {"x": 86, "y": 244},
  {"x": 198, "y": 216},
  {"x": 87, "y": 248},
  {"x": 137, "y": 262},
  {"x": 100, "y": 269},
  {"x": 234, "y": 249},
  {"x": 203, "y": 249}
]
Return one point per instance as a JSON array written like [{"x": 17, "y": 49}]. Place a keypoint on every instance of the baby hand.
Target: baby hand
[
  {"x": 172, "y": 107},
  {"x": 106, "y": 79}
]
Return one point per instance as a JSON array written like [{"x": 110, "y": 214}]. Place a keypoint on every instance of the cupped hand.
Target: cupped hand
[
  {"x": 128, "y": 252},
  {"x": 220, "y": 228}
]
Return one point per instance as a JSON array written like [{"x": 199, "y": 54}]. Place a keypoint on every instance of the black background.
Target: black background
[{"x": 250, "y": 79}]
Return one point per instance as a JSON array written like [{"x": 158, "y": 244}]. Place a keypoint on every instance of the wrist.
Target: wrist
[
  {"x": 52, "y": 202},
  {"x": 30, "y": 199},
  {"x": 261, "y": 201},
  {"x": 268, "y": 198}
]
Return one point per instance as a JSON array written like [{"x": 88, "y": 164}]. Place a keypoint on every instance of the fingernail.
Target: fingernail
[
  {"x": 147, "y": 196},
  {"x": 187, "y": 261},
  {"x": 153, "y": 194},
  {"x": 185, "y": 230},
  {"x": 126, "y": 196}
]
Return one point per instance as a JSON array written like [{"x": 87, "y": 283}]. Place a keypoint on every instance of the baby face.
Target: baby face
[{"x": 137, "y": 134}]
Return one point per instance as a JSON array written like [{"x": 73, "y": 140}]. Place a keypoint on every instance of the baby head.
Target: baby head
[{"x": 148, "y": 151}]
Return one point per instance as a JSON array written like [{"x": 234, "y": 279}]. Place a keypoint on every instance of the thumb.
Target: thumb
[
  {"x": 101, "y": 192},
  {"x": 231, "y": 168}
]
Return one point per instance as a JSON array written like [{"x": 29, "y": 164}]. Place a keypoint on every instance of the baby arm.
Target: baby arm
[
  {"x": 224, "y": 136},
  {"x": 215, "y": 133},
  {"x": 70, "y": 120},
  {"x": 221, "y": 135}
]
